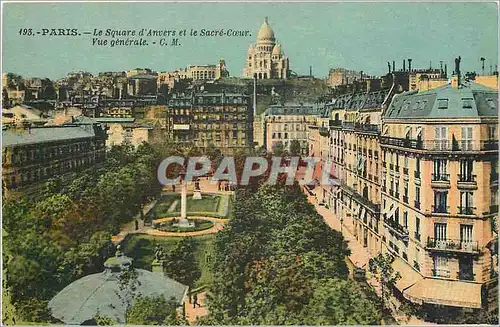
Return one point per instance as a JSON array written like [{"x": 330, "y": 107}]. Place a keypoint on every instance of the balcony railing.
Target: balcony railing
[
  {"x": 466, "y": 210},
  {"x": 466, "y": 178},
  {"x": 399, "y": 229},
  {"x": 440, "y": 209},
  {"x": 441, "y": 273},
  {"x": 333, "y": 122},
  {"x": 405, "y": 171},
  {"x": 441, "y": 145},
  {"x": 452, "y": 245},
  {"x": 440, "y": 177},
  {"x": 396, "y": 195},
  {"x": 391, "y": 166},
  {"x": 465, "y": 275},
  {"x": 417, "y": 174}
]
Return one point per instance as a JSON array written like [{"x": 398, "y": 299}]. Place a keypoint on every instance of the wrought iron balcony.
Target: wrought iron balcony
[
  {"x": 466, "y": 178},
  {"x": 441, "y": 273},
  {"x": 465, "y": 275},
  {"x": 466, "y": 210},
  {"x": 405, "y": 171},
  {"x": 401, "y": 230},
  {"x": 440, "y": 177},
  {"x": 391, "y": 166},
  {"x": 441, "y": 145},
  {"x": 452, "y": 245},
  {"x": 417, "y": 174},
  {"x": 489, "y": 145},
  {"x": 440, "y": 209}
]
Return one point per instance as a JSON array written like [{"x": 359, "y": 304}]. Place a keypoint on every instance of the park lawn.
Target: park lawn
[
  {"x": 207, "y": 204},
  {"x": 141, "y": 248}
]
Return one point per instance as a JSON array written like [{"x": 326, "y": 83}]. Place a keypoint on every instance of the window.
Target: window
[
  {"x": 405, "y": 219},
  {"x": 417, "y": 165},
  {"x": 442, "y": 103},
  {"x": 467, "y": 103},
  {"x": 405, "y": 194},
  {"x": 440, "y": 170},
  {"x": 492, "y": 132},
  {"x": 466, "y": 138},
  {"x": 417, "y": 227},
  {"x": 441, "y": 266},
  {"x": 422, "y": 105},
  {"x": 466, "y": 203},
  {"x": 441, "y": 138},
  {"x": 466, "y": 166},
  {"x": 440, "y": 231},
  {"x": 465, "y": 233},
  {"x": 406, "y": 161},
  {"x": 491, "y": 103},
  {"x": 440, "y": 202},
  {"x": 417, "y": 196}
]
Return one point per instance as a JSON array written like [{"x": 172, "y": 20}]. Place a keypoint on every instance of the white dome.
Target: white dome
[{"x": 265, "y": 32}]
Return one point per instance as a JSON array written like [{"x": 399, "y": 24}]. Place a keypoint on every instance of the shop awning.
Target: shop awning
[
  {"x": 445, "y": 292},
  {"x": 408, "y": 275}
]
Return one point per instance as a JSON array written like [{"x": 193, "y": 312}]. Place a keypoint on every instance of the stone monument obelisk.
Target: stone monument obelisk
[{"x": 183, "y": 221}]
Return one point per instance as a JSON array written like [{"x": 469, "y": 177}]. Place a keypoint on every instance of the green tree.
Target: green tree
[
  {"x": 340, "y": 302},
  {"x": 278, "y": 149},
  {"x": 295, "y": 148},
  {"x": 154, "y": 310},
  {"x": 381, "y": 266},
  {"x": 180, "y": 262}
]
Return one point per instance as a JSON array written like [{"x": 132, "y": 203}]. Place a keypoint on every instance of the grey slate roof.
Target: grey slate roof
[
  {"x": 471, "y": 100},
  {"x": 13, "y": 137},
  {"x": 101, "y": 294},
  {"x": 359, "y": 100},
  {"x": 294, "y": 109}
]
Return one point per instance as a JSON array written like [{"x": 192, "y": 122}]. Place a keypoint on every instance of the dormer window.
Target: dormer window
[
  {"x": 467, "y": 103},
  {"x": 421, "y": 105},
  {"x": 443, "y": 104},
  {"x": 415, "y": 105},
  {"x": 491, "y": 103}
]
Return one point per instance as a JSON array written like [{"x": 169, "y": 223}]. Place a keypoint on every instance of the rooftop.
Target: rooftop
[
  {"x": 104, "y": 294},
  {"x": 44, "y": 134},
  {"x": 468, "y": 101}
]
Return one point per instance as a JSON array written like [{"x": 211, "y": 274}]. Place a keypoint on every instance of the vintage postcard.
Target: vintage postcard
[{"x": 249, "y": 163}]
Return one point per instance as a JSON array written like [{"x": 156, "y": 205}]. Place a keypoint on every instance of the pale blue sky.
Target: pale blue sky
[{"x": 360, "y": 36}]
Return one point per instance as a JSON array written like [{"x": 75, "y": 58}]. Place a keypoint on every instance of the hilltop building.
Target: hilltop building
[{"x": 266, "y": 59}]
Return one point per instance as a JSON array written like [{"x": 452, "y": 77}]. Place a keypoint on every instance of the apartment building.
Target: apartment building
[
  {"x": 439, "y": 192},
  {"x": 418, "y": 178},
  {"x": 32, "y": 155},
  {"x": 223, "y": 120},
  {"x": 287, "y": 122}
]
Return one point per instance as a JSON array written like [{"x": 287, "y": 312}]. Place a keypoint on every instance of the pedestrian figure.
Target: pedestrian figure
[
  {"x": 136, "y": 224},
  {"x": 173, "y": 188},
  {"x": 195, "y": 301}
]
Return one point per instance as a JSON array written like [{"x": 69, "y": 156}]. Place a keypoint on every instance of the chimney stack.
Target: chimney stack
[
  {"x": 389, "y": 65},
  {"x": 441, "y": 67},
  {"x": 393, "y": 66},
  {"x": 404, "y": 65},
  {"x": 409, "y": 65},
  {"x": 445, "y": 70}
]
